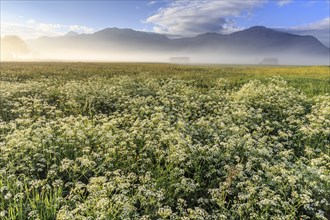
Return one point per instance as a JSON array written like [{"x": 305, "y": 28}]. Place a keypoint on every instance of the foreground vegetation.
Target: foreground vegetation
[{"x": 156, "y": 141}]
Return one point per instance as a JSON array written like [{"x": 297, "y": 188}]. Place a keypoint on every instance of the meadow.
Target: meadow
[{"x": 162, "y": 141}]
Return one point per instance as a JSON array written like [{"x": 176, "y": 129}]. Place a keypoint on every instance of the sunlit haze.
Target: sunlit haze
[{"x": 43, "y": 24}]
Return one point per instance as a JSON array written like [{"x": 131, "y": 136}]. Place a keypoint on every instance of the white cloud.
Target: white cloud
[
  {"x": 31, "y": 21},
  {"x": 25, "y": 31},
  {"x": 152, "y": 2},
  {"x": 283, "y": 2},
  {"x": 318, "y": 25},
  {"x": 53, "y": 29},
  {"x": 319, "y": 29},
  {"x": 189, "y": 18},
  {"x": 81, "y": 28},
  {"x": 32, "y": 29}
]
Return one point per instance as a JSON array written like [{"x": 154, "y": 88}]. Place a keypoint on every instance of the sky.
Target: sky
[{"x": 176, "y": 18}]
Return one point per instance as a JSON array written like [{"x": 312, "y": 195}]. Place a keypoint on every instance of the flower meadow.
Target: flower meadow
[{"x": 141, "y": 146}]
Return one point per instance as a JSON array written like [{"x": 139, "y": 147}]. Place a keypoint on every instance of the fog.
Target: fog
[
  {"x": 132, "y": 46},
  {"x": 165, "y": 56}
]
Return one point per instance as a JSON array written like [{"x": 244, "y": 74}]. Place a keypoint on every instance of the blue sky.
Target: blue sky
[{"x": 31, "y": 19}]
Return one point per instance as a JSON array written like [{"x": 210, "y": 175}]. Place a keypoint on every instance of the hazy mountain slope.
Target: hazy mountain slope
[
  {"x": 254, "y": 42},
  {"x": 260, "y": 39}
]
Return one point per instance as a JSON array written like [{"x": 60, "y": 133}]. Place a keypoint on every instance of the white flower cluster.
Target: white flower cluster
[{"x": 154, "y": 148}]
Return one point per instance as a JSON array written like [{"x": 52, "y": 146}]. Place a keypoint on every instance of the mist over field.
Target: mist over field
[{"x": 250, "y": 46}]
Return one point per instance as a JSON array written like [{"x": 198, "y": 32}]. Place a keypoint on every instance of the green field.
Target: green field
[{"x": 161, "y": 141}]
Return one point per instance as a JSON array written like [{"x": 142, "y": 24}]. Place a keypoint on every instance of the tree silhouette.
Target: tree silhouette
[{"x": 12, "y": 47}]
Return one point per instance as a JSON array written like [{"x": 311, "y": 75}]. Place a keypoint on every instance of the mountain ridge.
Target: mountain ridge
[{"x": 256, "y": 41}]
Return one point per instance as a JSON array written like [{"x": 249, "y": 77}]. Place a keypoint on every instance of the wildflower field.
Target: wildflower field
[{"x": 160, "y": 141}]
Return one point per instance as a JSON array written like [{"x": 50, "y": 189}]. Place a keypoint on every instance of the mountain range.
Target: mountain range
[{"x": 248, "y": 46}]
